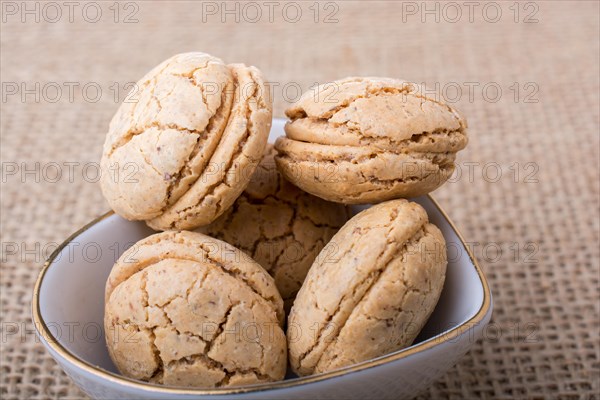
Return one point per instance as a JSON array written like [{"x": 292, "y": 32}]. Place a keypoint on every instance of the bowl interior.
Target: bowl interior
[{"x": 71, "y": 293}]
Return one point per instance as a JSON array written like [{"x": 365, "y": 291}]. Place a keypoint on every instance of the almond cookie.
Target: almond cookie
[
  {"x": 366, "y": 140},
  {"x": 370, "y": 291},
  {"x": 184, "y": 144},
  {"x": 279, "y": 226},
  {"x": 184, "y": 309}
]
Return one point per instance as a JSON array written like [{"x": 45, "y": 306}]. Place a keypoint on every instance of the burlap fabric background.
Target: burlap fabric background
[{"x": 528, "y": 195}]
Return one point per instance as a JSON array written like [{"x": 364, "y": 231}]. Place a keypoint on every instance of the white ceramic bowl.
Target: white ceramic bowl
[{"x": 68, "y": 306}]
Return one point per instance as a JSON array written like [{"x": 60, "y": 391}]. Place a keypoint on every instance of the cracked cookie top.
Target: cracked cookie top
[
  {"x": 370, "y": 291},
  {"x": 183, "y": 145},
  {"x": 184, "y": 309},
  {"x": 280, "y": 226},
  {"x": 361, "y": 140},
  {"x": 377, "y": 111}
]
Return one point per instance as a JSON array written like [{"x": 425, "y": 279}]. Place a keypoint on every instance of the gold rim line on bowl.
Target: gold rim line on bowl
[{"x": 45, "y": 334}]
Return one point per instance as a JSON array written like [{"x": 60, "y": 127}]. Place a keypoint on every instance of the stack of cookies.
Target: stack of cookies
[{"x": 260, "y": 261}]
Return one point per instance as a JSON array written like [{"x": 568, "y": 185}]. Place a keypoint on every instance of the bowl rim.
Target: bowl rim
[{"x": 50, "y": 341}]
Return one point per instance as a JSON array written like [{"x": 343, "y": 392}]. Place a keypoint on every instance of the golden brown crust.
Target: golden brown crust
[
  {"x": 370, "y": 291},
  {"x": 361, "y": 140}
]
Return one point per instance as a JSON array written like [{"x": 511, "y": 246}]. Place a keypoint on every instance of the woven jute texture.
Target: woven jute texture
[{"x": 526, "y": 198}]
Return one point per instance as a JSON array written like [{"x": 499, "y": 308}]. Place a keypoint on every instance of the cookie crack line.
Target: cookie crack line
[
  {"x": 339, "y": 306},
  {"x": 161, "y": 366},
  {"x": 385, "y": 183},
  {"x": 240, "y": 149},
  {"x": 213, "y": 364},
  {"x": 177, "y": 177},
  {"x": 222, "y": 324},
  {"x": 236, "y": 273},
  {"x": 187, "y": 212},
  {"x": 369, "y": 92},
  {"x": 177, "y": 238},
  {"x": 158, "y": 125},
  {"x": 131, "y": 133},
  {"x": 262, "y": 234},
  {"x": 377, "y": 274},
  {"x": 401, "y": 147},
  {"x": 289, "y": 229},
  {"x": 199, "y": 144},
  {"x": 348, "y": 102},
  {"x": 135, "y": 105},
  {"x": 154, "y": 261},
  {"x": 149, "y": 331},
  {"x": 293, "y": 204},
  {"x": 216, "y": 365},
  {"x": 289, "y": 234},
  {"x": 220, "y": 331},
  {"x": 148, "y": 162},
  {"x": 413, "y": 241},
  {"x": 200, "y": 280}
]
